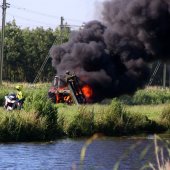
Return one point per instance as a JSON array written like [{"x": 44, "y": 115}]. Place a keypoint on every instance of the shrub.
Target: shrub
[
  {"x": 82, "y": 124},
  {"x": 111, "y": 120},
  {"x": 147, "y": 96},
  {"x": 21, "y": 127},
  {"x": 38, "y": 101},
  {"x": 115, "y": 120},
  {"x": 43, "y": 125}
]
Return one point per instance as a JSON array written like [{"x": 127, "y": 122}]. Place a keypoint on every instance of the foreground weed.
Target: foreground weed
[
  {"x": 84, "y": 148},
  {"x": 162, "y": 163}
]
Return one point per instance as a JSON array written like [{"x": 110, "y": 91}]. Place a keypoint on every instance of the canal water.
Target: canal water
[{"x": 64, "y": 154}]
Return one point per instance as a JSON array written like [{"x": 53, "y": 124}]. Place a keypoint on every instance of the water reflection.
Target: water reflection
[{"x": 64, "y": 154}]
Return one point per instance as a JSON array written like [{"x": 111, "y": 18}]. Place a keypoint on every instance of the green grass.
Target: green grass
[
  {"x": 153, "y": 112},
  {"x": 82, "y": 120},
  {"x": 43, "y": 120},
  {"x": 113, "y": 119}
]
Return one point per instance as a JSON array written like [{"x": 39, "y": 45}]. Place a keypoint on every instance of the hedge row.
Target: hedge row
[{"x": 152, "y": 95}]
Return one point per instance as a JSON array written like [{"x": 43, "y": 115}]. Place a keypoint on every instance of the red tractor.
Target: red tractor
[{"x": 66, "y": 89}]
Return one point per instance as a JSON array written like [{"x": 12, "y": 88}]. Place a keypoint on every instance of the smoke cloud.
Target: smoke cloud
[{"x": 112, "y": 56}]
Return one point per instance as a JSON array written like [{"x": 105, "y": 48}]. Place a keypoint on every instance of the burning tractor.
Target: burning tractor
[{"x": 66, "y": 89}]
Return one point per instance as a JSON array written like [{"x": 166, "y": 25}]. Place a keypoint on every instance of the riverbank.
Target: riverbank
[
  {"x": 77, "y": 121},
  {"x": 41, "y": 120},
  {"x": 114, "y": 119}
]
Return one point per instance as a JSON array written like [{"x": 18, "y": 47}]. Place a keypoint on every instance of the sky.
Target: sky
[{"x": 47, "y": 13}]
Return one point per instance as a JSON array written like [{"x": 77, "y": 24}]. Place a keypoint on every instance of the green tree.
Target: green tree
[
  {"x": 26, "y": 50},
  {"x": 37, "y": 44},
  {"x": 13, "y": 53}
]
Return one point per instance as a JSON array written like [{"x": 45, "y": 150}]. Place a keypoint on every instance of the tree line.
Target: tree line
[{"x": 26, "y": 49}]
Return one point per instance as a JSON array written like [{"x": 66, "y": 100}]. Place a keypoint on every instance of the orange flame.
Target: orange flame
[
  {"x": 87, "y": 91},
  {"x": 62, "y": 97}
]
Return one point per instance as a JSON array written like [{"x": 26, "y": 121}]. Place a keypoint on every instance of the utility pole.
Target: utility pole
[
  {"x": 4, "y": 7},
  {"x": 164, "y": 75},
  {"x": 61, "y": 23},
  {"x": 61, "y": 29}
]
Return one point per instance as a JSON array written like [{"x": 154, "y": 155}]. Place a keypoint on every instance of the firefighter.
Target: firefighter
[
  {"x": 19, "y": 92},
  {"x": 19, "y": 95}
]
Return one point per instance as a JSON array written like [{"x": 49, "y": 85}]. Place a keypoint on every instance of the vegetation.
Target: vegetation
[
  {"x": 37, "y": 121},
  {"x": 147, "y": 111},
  {"x": 25, "y": 51},
  {"x": 151, "y": 95},
  {"x": 42, "y": 120}
]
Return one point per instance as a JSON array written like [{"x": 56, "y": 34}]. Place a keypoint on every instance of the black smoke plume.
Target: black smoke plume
[{"x": 112, "y": 56}]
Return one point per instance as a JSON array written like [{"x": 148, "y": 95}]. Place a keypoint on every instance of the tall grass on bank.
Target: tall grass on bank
[
  {"x": 21, "y": 126},
  {"x": 110, "y": 120},
  {"x": 45, "y": 121},
  {"x": 39, "y": 103},
  {"x": 48, "y": 121},
  {"x": 36, "y": 122}
]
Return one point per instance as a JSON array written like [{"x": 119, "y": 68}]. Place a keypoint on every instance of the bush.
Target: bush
[
  {"x": 147, "y": 96},
  {"x": 21, "y": 127},
  {"x": 82, "y": 124},
  {"x": 115, "y": 120},
  {"x": 38, "y": 101},
  {"x": 111, "y": 120}
]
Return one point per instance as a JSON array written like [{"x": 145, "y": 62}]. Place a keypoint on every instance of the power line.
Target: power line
[
  {"x": 47, "y": 24},
  {"x": 32, "y": 11},
  {"x": 42, "y": 14},
  {"x": 28, "y": 19}
]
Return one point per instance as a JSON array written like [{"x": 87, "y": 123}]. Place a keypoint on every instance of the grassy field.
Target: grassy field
[
  {"x": 153, "y": 112},
  {"x": 147, "y": 111},
  {"x": 76, "y": 121}
]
